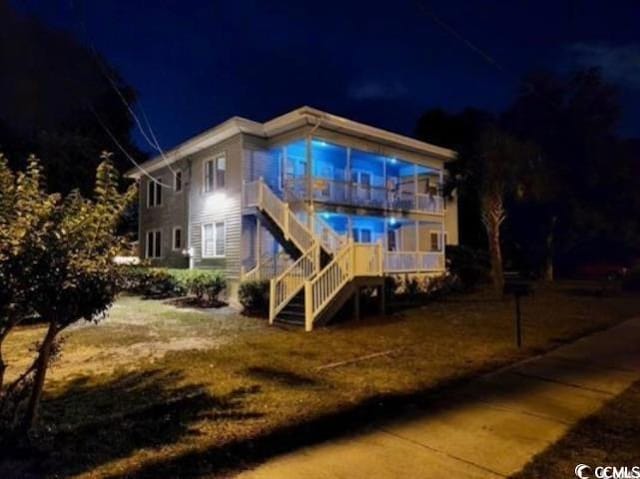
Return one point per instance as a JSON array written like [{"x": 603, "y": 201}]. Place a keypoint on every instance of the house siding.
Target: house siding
[
  {"x": 171, "y": 214},
  {"x": 218, "y": 205}
]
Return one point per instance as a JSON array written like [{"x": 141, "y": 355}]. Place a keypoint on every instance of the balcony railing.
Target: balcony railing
[
  {"x": 348, "y": 193},
  {"x": 413, "y": 261}
]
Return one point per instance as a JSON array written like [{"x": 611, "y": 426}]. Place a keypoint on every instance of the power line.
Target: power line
[
  {"x": 124, "y": 151},
  {"x": 488, "y": 58}
]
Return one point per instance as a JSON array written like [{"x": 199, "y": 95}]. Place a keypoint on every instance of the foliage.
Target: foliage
[
  {"x": 203, "y": 282},
  {"x": 150, "y": 282},
  {"x": 51, "y": 99},
  {"x": 56, "y": 260},
  {"x": 470, "y": 266},
  {"x": 254, "y": 296}
]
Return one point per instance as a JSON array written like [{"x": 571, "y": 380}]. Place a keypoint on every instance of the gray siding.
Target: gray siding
[
  {"x": 224, "y": 205},
  {"x": 172, "y": 213}
]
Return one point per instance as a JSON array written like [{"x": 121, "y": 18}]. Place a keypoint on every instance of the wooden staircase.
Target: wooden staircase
[{"x": 327, "y": 264}]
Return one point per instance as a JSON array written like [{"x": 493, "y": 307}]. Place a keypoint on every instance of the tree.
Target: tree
[
  {"x": 50, "y": 90},
  {"x": 498, "y": 173},
  {"x": 461, "y": 132},
  {"x": 58, "y": 260},
  {"x": 573, "y": 120}
]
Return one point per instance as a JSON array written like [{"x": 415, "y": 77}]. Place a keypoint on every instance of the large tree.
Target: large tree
[
  {"x": 581, "y": 185},
  {"x": 56, "y": 262},
  {"x": 51, "y": 89},
  {"x": 461, "y": 132}
]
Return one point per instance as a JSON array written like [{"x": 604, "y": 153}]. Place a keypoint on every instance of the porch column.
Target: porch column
[
  {"x": 347, "y": 179},
  {"x": 415, "y": 187},
  {"x": 417, "y": 257},
  {"x": 309, "y": 180},
  {"x": 384, "y": 181}
]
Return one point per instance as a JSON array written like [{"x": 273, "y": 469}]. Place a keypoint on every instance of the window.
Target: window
[
  {"x": 361, "y": 235},
  {"x": 177, "y": 238},
  {"x": 215, "y": 173},
  {"x": 177, "y": 181},
  {"x": 154, "y": 193},
  {"x": 435, "y": 241},
  {"x": 154, "y": 244},
  {"x": 213, "y": 240}
]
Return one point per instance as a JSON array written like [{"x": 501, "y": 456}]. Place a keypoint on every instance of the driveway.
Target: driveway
[{"x": 489, "y": 428}]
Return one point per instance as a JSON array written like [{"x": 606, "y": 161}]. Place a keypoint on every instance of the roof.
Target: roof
[{"x": 287, "y": 122}]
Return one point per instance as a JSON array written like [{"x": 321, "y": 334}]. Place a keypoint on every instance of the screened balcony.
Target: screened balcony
[
  {"x": 330, "y": 173},
  {"x": 410, "y": 246}
]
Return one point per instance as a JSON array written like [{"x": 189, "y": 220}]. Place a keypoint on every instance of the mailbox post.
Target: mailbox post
[{"x": 517, "y": 286}]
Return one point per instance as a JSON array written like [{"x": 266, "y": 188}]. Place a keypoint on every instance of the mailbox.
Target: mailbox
[{"x": 518, "y": 286}]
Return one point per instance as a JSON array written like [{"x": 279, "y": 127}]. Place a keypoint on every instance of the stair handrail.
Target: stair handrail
[
  {"x": 353, "y": 259},
  {"x": 290, "y": 282},
  {"x": 334, "y": 241}
]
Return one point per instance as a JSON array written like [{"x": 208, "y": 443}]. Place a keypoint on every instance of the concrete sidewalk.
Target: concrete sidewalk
[{"x": 490, "y": 428}]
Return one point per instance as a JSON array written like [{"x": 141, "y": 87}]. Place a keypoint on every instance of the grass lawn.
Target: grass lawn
[
  {"x": 157, "y": 391},
  {"x": 608, "y": 438}
]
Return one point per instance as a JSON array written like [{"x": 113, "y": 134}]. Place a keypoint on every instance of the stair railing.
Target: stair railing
[
  {"x": 350, "y": 261},
  {"x": 257, "y": 193},
  {"x": 285, "y": 286}
]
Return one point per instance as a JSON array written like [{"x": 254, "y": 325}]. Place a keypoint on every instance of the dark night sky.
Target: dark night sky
[{"x": 196, "y": 63}]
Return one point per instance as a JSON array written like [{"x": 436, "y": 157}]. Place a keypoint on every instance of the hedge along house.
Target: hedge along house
[{"x": 318, "y": 204}]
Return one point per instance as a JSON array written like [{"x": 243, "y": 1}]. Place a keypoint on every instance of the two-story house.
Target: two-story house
[{"x": 318, "y": 204}]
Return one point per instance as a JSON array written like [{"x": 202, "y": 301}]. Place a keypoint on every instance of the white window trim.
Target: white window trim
[
  {"x": 213, "y": 160},
  {"x": 156, "y": 184},
  {"x": 175, "y": 181},
  {"x": 173, "y": 239},
  {"x": 146, "y": 244},
  {"x": 224, "y": 234}
]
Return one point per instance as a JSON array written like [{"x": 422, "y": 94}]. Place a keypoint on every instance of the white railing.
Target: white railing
[
  {"x": 429, "y": 203},
  {"x": 411, "y": 261},
  {"x": 258, "y": 194},
  {"x": 329, "y": 238},
  {"x": 267, "y": 267},
  {"x": 351, "y": 193},
  {"x": 284, "y": 287},
  {"x": 350, "y": 261}
]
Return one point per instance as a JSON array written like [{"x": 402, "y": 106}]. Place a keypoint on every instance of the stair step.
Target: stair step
[{"x": 295, "y": 321}]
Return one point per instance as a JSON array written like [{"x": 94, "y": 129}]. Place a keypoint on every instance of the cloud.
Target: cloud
[
  {"x": 619, "y": 63},
  {"x": 372, "y": 90}
]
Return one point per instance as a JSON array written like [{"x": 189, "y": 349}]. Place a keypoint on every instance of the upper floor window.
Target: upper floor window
[
  {"x": 177, "y": 181},
  {"x": 215, "y": 173},
  {"x": 154, "y": 192}
]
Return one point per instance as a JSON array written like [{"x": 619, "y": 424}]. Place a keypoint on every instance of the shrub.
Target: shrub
[
  {"x": 254, "y": 296},
  {"x": 150, "y": 282},
  {"x": 468, "y": 265},
  {"x": 411, "y": 286},
  {"x": 203, "y": 282}
]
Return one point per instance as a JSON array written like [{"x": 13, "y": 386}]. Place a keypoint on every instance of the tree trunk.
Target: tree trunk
[
  {"x": 493, "y": 215},
  {"x": 495, "y": 253},
  {"x": 38, "y": 381},
  {"x": 548, "y": 260}
]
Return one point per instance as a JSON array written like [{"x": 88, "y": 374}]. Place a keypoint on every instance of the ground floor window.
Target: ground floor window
[
  {"x": 177, "y": 238},
  {"x": 213, "y": 240},
  {"x": 154, "y": 244}
]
